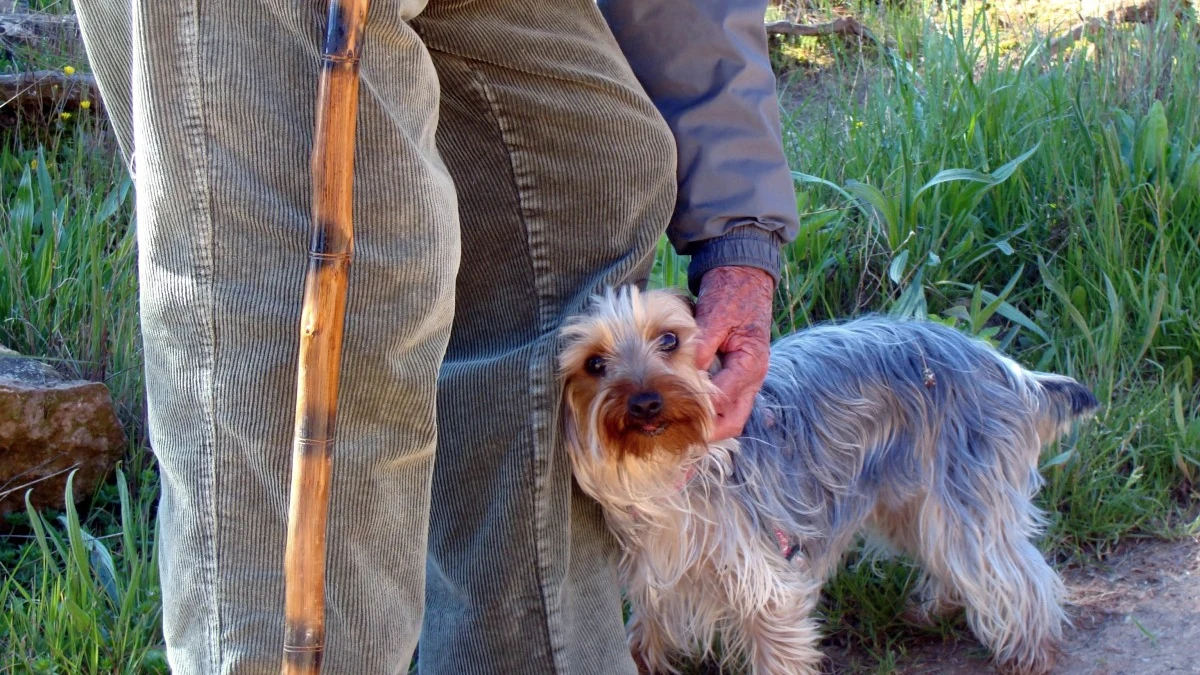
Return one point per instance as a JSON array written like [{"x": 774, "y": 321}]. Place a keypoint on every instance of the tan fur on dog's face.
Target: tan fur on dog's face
[{"x": 634, "y": 354}]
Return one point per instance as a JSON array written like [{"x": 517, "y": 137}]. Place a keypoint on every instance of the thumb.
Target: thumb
[{"x": 708, "y": 342}]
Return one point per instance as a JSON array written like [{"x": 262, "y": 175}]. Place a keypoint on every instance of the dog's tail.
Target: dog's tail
[{"x": 1061, "y": 402}]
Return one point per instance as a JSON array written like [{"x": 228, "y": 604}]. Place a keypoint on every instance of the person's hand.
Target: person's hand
[{"x": 733, "y": 309}]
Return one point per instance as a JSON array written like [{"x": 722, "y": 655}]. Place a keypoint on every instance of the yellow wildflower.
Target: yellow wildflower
[
  {"x": 33, "y": 164},
  {"x": 69, "y": 70},
  {"x": 858, "y": 124},
  {"x": 85, "y": 104},
  {"x": 65, "y": 115}
]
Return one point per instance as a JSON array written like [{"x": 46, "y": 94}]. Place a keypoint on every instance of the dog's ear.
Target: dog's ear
[{"x": 682, "y": 295}]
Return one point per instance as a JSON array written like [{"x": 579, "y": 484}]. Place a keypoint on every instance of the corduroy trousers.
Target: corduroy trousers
[{"x": 508, "y": 165}]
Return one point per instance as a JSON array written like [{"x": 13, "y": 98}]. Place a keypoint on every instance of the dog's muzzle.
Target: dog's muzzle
[{"x": 644, "y": 409}]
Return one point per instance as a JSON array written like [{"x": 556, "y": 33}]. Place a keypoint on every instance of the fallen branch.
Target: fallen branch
[
  {"x": 846, "y": 25},
  {"x": 843, "y": 26},
  {"x": 29, "y": 26},
  {"x": 42, "y": 88},
  {"x": 1144, "y": 12}
]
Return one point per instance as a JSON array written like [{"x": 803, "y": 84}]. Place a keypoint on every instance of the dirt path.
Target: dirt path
[{"x": 1139, "y": 614}]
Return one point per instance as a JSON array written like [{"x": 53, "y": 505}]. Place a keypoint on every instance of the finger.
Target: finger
[
  {"x": 733, "y": 422},
  {"x": 737, "y": 385},
  {"x": 740, "y": 374}
]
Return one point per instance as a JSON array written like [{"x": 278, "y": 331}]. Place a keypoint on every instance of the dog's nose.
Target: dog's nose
[{"x": 645, "y": 404}]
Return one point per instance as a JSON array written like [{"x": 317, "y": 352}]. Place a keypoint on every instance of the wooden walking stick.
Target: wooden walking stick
[{"x": 321, "y": 326}]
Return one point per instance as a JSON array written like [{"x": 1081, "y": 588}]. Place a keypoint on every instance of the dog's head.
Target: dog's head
[{"x": 632, "y": 389}]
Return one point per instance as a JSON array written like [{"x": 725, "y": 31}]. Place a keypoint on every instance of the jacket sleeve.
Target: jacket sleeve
[{"x": 705, "y": 65}]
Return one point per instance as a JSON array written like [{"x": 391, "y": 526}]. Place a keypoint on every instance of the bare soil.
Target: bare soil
[{"x": 1136, "y": 613}]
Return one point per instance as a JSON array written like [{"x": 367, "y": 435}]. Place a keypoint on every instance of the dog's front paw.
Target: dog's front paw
[
  {"x": 649, "y": 649},
  {"x": 643, "y": 666},
  {"x": 1039, "y": 661},
  {"x": 650, "y": 663}
]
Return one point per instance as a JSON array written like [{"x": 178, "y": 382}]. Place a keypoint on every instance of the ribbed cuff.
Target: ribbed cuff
[{"x": 746, "y": 246}]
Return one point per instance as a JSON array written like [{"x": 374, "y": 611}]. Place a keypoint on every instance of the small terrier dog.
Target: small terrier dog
[{"x": 907, "y": 432}]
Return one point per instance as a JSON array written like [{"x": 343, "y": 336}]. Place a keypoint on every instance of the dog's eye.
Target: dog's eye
[
  {"x": 595, "y": 365},
  {"x": 668, "y": 342}
]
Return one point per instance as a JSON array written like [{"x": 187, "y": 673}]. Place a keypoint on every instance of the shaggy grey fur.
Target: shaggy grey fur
[
  {"x": 907, "y": 432},
  {"x": 875, "y": 412}
]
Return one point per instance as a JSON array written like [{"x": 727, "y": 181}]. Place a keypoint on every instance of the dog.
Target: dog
[{"x": 909, "y": 433}]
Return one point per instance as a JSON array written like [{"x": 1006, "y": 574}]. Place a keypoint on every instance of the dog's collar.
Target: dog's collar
[
  {"x": 787, "y": 547},
  {"x": 687, "y": 478}
]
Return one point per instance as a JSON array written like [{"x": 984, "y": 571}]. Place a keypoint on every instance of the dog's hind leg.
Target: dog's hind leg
[
  {"x": 1011, "y": 595},
  {"x": 932, "y": 602},
  {"x": 898, "y": 528}
]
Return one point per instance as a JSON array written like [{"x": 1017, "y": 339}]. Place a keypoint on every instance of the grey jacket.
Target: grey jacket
[{"x": 705, "y": 65}]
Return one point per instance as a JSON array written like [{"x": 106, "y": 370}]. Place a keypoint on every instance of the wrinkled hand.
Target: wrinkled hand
[{"x": 733, "y": 310}]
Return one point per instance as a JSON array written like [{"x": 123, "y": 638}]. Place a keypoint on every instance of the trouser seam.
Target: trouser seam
[
  {"x": 539, "y": 271},
  {"x": 196, "y": 128}
]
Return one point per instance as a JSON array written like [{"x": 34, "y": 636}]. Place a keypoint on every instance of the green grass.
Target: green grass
[
  {"x": 1049, "y": 204},
  {"x": 68, "y": 287},
  {"x": 80, "y": 603}
]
